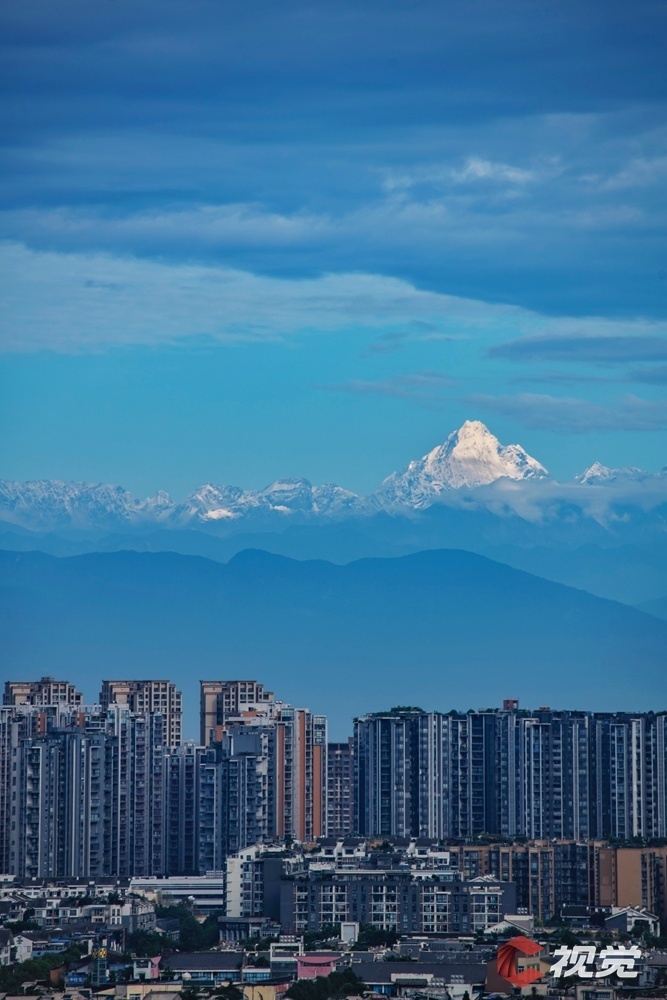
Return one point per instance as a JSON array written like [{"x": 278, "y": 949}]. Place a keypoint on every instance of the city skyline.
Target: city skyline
[
  {"x": 212, "y": 695},
  {"x": 91, "y": 791}
]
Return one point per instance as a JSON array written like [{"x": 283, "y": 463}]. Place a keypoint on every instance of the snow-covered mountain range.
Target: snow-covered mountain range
[{"x": 470, "y": 458}]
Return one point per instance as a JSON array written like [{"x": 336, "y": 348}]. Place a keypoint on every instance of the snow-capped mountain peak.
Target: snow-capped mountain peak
[
  {"x": 598, "y": 474},
  {"x": 470, "y": 457}
]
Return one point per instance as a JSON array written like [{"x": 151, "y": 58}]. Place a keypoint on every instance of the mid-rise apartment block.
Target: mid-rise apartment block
[
  {"x": 148, "y": 696},
  {"x": 402, "y": 901}
]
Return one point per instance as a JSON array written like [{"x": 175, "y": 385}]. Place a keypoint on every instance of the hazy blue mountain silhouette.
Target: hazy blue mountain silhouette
[
  {"x": 445, "y": 629},
  {"x": 572, "y": 549}
]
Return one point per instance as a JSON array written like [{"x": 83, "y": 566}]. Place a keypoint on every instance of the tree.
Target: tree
[
  {"x": 37, "y": 969},
  {"x": 375, "y": 937},
  {"x": 229, "y": 992},
  {"x": 338, "y": 984},
  {"x": 311, "y": 939},
  {"x": 194, "y": 936},
  {"x": 145, "y": 944}
]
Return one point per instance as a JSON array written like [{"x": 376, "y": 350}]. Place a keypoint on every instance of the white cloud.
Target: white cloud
[
  {"x": 87, "y": 302},
  {"x": 474, "y": 169},
  {"x": 478, "y": 169},
  {"x": 639, "y": 172},
  {"x": 205, "y": 226}
]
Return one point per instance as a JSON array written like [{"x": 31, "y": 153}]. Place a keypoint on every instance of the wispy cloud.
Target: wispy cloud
[
  {"x": 83, "y": 302},
  {"x": 424, "y": 333},
  {"x": 428, "y": 388},
  {"x": 577, "y": 416},
  {"x": 648, "y": 374},
  {"x": 91, "y": 301},
  {"x": 473, "y": 170},
  {"x": 639, "y": 172},
  {"x": 598, "y": 349},
  {"x": 651, "y": 375}
]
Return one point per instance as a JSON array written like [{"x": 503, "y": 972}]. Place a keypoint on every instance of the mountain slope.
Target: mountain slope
[
  {"x": 657, "y": 607},
  {"x": 446, "y": 628}
]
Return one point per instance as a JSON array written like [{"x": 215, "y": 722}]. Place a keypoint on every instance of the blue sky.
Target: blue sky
[{"x": 247, "y": 240}]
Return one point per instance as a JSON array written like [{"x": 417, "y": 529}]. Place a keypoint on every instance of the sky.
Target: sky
[{"x": 248, "y": 240}]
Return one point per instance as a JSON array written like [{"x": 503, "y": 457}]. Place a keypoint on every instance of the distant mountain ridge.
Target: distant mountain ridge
[
  {"x": 455, "y": 629},
  {"x": 470, "y": 461}
]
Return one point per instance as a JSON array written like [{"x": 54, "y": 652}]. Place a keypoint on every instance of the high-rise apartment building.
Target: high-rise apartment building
[
  {"x": 296, "y": 749},
  {"x": 62, "y": 824},
  {"x": 540, "y": 774},
  {"x": 223, "y": 701},
  {"x": 298, "y": 773},
  {"x": 148, "y": 696},
  {"x": 87, "y": 793},
  {"x": 7, "y": 741},
  {"x": 340, "y": 789},
  {"x": 136, "y": 787},
  {"x": 217, "y": 801},
  {"x": 388, "y": 777},
  {"x": 247, "y": 797},
  {"x": 183, "y": 808},
  {"x": 425, "y": 774},
  {"x": 46, "y": 691},
  {"x": 17, "y": 723}
]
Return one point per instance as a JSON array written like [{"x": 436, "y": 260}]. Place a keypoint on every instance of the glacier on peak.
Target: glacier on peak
[{"x": 470, "y": 457}]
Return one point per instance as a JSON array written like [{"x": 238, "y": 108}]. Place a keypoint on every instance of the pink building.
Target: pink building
[{"x": 311, "y": 965}]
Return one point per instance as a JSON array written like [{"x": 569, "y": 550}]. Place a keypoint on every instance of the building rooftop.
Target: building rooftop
[{"x": 214, "y": 961}]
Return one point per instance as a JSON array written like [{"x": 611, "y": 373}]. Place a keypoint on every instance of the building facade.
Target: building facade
[
  {"x": 298, "y": 774},
  {"x": 542, "y": 774},
  {"x": 405, "y": 902},
  {"x": 340, "y": 789}
]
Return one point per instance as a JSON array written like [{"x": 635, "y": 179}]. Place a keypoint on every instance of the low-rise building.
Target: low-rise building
[
  {"x": 630, "y": 919},
  {"x": 211, "y": 967}
]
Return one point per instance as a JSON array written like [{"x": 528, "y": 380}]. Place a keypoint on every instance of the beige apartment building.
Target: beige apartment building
[
  {"x": 148, "y": 696},
  {"x": 45, "y": 691},
  {"x": 221, "y": 701}
]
